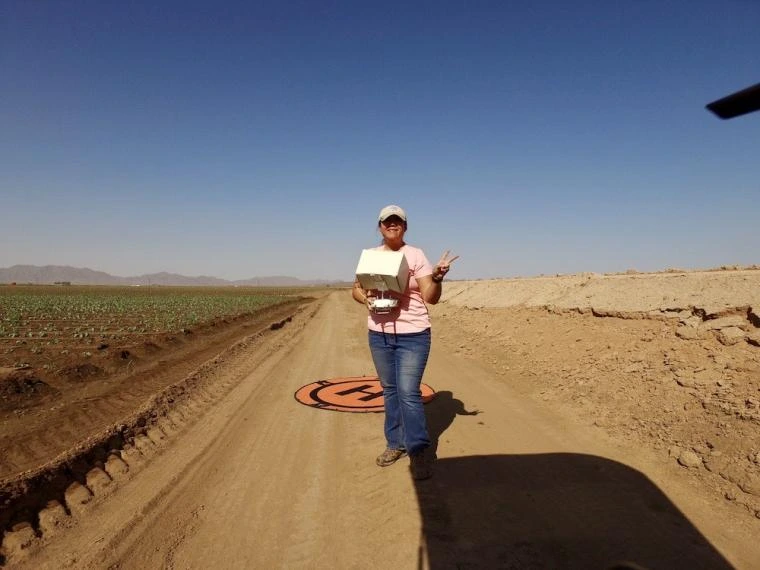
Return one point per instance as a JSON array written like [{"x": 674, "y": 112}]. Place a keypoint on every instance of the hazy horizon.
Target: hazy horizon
[
  {"x": 263, "y": 138},
  {"x": 72, "y": 269},
  {"x": 724, "y": 267}
]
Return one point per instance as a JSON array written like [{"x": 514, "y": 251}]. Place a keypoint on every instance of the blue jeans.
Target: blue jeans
[{"x": 400, "y": 361}]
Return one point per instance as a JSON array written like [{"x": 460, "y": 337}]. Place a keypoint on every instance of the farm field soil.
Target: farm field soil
[
  {"x": 580, "y": 421},
  {"x": 49, "y": 412}
]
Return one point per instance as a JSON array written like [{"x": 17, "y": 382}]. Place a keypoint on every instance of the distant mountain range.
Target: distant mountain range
[{"x": 49, "y": 274}]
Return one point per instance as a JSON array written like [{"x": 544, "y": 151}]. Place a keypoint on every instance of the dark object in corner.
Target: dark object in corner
[{"x": 739, "y": 103}]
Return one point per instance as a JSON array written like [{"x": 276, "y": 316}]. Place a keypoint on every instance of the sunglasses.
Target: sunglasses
[{"x": 392, "y": 220}]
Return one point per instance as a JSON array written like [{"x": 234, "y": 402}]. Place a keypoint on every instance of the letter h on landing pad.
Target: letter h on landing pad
[{"x": 365, "y": 389}]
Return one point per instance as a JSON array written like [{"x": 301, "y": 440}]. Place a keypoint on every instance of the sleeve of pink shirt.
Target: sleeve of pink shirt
[{"x": 418, "y": 263}]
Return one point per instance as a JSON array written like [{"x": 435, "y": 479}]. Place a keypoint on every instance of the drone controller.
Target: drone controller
[
  {"x": 383, "y": 305},
  {"x": 386, "y": 273}
]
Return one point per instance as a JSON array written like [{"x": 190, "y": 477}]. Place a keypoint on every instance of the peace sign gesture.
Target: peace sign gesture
[{"x": 442, "y": 267}]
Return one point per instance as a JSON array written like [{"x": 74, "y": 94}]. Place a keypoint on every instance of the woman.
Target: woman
[{"x": 400, "y": 344}]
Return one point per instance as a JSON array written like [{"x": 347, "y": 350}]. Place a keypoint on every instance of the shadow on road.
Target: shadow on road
[
  {"x": 440, "y": 414},
  {"x": 556, "y": 510}
]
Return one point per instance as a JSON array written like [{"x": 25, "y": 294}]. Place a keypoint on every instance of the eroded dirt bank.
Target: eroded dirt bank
[
  {"x": 564, "y": 439},
  {"x": 674, "y": 366},
  {"x": 637, "y": 294}
]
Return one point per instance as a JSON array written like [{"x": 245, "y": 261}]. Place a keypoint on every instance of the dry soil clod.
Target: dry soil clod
[
  {"x": 18, "y": 539},
  {"x": 156, "y": 435},
  {"x": 131, "y": 456},
  {"x": 77, "y": 496},
  {"x": 97, "y": 480},
  {"x": 116, "y": 467},
  {"x": 52, "y": 517},
  {"x": 144, "y": 445}
]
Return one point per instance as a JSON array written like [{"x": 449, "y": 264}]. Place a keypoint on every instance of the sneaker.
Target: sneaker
[
  {"x": 389, "y": 457},
  {"x": 421, "y": 466}
]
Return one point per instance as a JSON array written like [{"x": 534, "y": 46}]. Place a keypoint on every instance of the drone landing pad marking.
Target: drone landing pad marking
[{"x": 351, "y": 394}]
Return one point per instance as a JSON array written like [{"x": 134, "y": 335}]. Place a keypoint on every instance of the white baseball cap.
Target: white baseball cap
[{"x": 392, "y": 210}]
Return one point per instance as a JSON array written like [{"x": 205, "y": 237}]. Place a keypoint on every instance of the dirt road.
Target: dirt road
[{"x": 253, "y": 479}]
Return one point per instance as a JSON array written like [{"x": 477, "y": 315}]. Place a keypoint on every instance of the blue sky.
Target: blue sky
[{"x": 242, "y": 139}]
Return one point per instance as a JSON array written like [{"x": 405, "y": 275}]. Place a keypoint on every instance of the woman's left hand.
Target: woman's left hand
[{"x": 444, "y": 264}]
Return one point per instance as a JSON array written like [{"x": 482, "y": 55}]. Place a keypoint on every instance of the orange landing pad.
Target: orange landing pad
[{"x": 351, "y": 394}]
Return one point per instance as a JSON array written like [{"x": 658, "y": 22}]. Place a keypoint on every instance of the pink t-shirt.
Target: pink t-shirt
[{"x": 411, "y": 315}]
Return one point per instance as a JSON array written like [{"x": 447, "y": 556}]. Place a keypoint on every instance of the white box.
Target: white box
[{"x": 382, "y": 270}]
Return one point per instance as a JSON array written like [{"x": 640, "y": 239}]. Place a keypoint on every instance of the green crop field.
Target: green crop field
[{"x": 51, "y": 315}]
